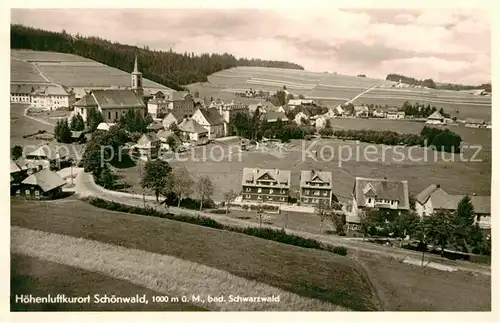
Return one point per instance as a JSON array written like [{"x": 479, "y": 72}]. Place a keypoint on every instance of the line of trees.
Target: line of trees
[
  {"x": 455, "y": 230},
  {"x": 254, "y": 127},
  {"x": 438, "y": 139},
  {"x": 165, "y": 67},
  {"x": 431, "y": 84}
]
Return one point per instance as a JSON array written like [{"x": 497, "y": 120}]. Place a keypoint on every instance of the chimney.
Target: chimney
[
  {"x": 385, "y": 178},
  {"x": 438, "y": 185}
]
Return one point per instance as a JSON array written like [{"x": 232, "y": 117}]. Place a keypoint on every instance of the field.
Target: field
[
  {"x": 310, "y": 274},
  {"x": 313, "y": 274},
  {"x": 334, "y": 89},
  {"x": 32, "y": 275},
  {"x": 69, "y": 70}
]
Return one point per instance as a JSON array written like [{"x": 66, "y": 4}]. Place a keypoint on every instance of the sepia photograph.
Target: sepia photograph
[{"x": 286, "y": 159}]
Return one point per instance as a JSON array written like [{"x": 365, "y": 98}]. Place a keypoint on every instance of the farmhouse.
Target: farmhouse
[
  {"x": 154, "y": 126},
  {"x": 163, "y": 135},
  {"x": 212, "y": 121},
  {"x": 148, "y": 146},
  {"x": 321, "y": 121},
  {"x": 475, "y": 123},
  {"x": 435, "y": 198},
  {"x": 379, "y": 113},
  {"x": 265, "y": 185},
  {"x": 298, "y": 102},
  {"x": 315, "y": 186},
  {"x": 378, "y": 193},
  {"x": 84, "y": 105},
  {"x": 42, "y": 158},
  {"x": 173, "y": 117},
  {"x": 435, "y": 118},
  {"x": 44, "y": 184},
  {"x": 18, "y": 173},
  {"x": 193, "y": 130},
  {"x": 361, "y": 112}
]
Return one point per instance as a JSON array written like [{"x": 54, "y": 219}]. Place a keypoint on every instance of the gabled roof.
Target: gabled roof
[
  {"x": 105, "y": 126},
  {"x": 112, "y": 98},
  {"x": 474, "y": 121},
  {"x": 178, "y": 115},
  {"x": 14, "y": 167},
  {"x": 436, "y": 116},
  {"x": 46, "y": 179},
  {"x": 147, "y": 139},
  {"x": 212, "y": 116},
  {"x": 252, "y": 174},
  {"x": 190, "y": 125},
  {"x": 440, "y": 199},
  {"x": 164, "y": 134},
  {"x": 274, "y": 116},
  {"x": 315, "y": 176},
  {"x": 86, "y": 101},
  {"x": 383, "y": 189},
  {"x": 49, "y": 90},
  {"x": 39, "y": 152}
]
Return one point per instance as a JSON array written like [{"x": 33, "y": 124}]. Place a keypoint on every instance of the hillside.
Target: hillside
[
  {"x": 32, "y": 67},
  {"x": 437, "y": 85},
  {"x": 165, "y": 67}
]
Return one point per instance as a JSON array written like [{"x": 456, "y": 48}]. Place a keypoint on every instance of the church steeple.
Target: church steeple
[{"x": 137, "y": 79}]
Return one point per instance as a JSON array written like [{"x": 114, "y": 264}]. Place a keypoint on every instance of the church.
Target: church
[{"x": 114, "y": 103}]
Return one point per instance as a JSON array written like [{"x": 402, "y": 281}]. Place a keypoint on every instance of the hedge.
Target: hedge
[{"x": 278, "y": 235}]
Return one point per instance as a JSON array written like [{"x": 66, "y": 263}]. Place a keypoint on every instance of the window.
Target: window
[
  {"x": 116, "y": 114},
  {"x": 259, "y": 190},
  {"x": 247, "y": 196},
  {"x": 270, "y": 198},
  {"x": 18, "y": 192},
  {"x": 282, "y": 198},
  {"x": 27, "y": 192},
  {"x": 109, "y": 115},
  {"x": 369, "y": 200},
  {"x": 249, "y": 189},
  {"x": 259, "y": 197},
  {"x": 283, "y": 191},
  {"x": 37, "y": 193},
  {"x": 305, "y": 200},
  {"x": 325, "y": 193},
  {"x": 316, "y": 192},
  {"x": 271, "y": 191},
  {"x": 306, "y": 192}
]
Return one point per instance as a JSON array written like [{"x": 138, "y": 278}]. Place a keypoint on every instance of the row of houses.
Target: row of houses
[
  {"x": 437, "y": 118},
  {"x": 274, "y": 185}
]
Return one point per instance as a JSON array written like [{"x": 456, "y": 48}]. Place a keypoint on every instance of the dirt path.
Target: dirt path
[{"x": 36, "y": 119}]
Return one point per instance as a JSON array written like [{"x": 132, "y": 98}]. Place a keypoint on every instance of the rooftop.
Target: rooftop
[
  {"x": 383, "y": 189},
  {"x": 253, "y": 174},
  {"x": 442, "y": 200},
  {"x": 46, "y": 179},
  {"x": 112, "y": 98}
]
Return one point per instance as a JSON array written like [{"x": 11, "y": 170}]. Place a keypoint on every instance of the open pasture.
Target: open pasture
[
  {"x": 68, "y": 70},
  {"x": 23, "y": 72}
]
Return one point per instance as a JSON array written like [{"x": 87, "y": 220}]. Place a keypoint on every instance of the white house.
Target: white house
[
  {"x": 193, "y": 130},
  {"x": 377, "y": 193},
  {"x": 212, "y": 121},
  {"x": 21, "y": 93},
  {"x": 49, "y": 97},
  {"x": 157, "y": 108},
  {"x": 435, "y": 198},
  {"x": 361, "y": 111},
  {"x": 302, "y": 115},
  {"x": 379, "y": 113},
  {"x": 321, "y": 121},
  {"x": 173, "y": 117}
]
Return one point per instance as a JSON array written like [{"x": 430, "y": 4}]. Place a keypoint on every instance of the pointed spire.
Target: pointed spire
[{"x": 135, "y": 65}]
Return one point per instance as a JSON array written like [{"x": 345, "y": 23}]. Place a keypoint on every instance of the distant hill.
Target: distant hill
[
  {"x": 164, "y": 67},
  {"x": 441, "y": 86}
]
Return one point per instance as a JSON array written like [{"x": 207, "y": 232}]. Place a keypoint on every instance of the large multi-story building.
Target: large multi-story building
[
  {"x": 265, "y": 185},
  {"x": 315, "y": 186},
  {"x": 181, "y": 102},
  {"x": 40, "y": 96}
]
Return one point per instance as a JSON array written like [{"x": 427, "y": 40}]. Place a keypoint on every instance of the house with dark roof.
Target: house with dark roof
[
  {"x": 148, "y": 146},
  {"x": 84, "y": 105},
  {"x": 173, "y": 117},
  {"x": 193, "y": 130},
  {"x": 274, "y": 116},
  {"x": 18, "y": 172},
  {"x": 44, "y": 184},
  {"x": 265, "y": 185},
  {"x": 377, "y": 193},
  {"x": 212, "y": 121},
  {"x": 315, "y": 186},
  {"x": 475, "y": 123},
  {"x": 435, "y": 198}
]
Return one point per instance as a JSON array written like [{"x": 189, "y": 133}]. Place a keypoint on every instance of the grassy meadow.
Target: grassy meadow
[{"x": 311, "y": 274}]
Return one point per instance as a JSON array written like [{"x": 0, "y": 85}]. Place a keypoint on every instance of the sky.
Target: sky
[{"x": 443, "y": 44}]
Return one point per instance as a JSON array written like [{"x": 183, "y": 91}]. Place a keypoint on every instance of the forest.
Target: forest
[{"x": 165, "y": 67}]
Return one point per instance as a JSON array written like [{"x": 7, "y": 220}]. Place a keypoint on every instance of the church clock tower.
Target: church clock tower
[{"x": 137, "y": 80}]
